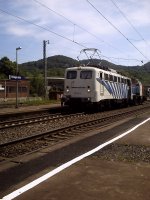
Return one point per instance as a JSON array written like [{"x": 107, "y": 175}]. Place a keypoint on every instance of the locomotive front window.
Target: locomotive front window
[
  {"x": 71, "y": 74},
  {"x": 86, "y": 74}
]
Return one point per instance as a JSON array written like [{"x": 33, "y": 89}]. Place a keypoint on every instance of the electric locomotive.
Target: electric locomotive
[{"x": 99, "y": 87}]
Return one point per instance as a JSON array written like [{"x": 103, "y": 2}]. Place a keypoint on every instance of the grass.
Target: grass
[
  {"x": 28, "y": 102},
  {"x": 40, "y": 102}
]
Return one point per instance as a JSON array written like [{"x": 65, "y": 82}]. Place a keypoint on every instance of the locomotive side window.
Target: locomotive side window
[
  {"x": 110, "y": 77},
  {"x": 128, "y": 82},
  {"x": 86, "y": 74},
  {"x": 115, "y": 79},
  {"x": 101, "y": 75},
  {"x": 106, "y": 76},
  {"x": 122, "y": 80},
  {"x": 118, "y": 79},
  {"x": 71, "y": 74}
]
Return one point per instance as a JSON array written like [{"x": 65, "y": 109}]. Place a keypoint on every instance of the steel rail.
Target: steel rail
[
  {"x": 89, "y": 124},
  {"x": 31, "y": 120}
]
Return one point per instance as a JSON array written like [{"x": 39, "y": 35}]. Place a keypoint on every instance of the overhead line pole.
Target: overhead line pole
[
  {"x": 45, "y": 67},
  {"x": 17, "y": 49}
]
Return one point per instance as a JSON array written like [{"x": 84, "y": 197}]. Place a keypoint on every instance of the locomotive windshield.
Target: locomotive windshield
[
  {"x": 86, "y": 74},
  {"x": 71, "y": 74}
]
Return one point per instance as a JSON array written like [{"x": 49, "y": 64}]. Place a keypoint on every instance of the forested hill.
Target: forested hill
[
  {"x": 56, "y": 66},
  {"x": 57, "y": 61}
]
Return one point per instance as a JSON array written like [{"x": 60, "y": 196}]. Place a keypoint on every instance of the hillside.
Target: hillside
[
  {"x": 56, "y": 66},
  {"x": 140, "y": 72},
  {"x": 57, "y": 61}
]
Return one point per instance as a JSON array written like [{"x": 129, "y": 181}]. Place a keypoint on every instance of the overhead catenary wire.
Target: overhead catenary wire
[
  {"x": 41, "y": 27},
  {"x": 128, "y": 59},
  {"x": 117, "y": 29},
  {"x": 119, "y": 58},
  {"x": 75, "y": 24},
  {"x": 122, "y": 13},
  {"x": 45, "y": 28}
]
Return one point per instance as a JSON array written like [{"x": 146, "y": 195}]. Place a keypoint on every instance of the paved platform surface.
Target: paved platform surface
[
  {"x": 94, "y": 178},
  {"x": 27, "y": 108}
]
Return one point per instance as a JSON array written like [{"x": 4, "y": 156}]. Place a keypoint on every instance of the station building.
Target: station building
[
  {"x": 8, "y": 89},
  {"x": 55, "y": 87},
  {"x": 55, "y": 83}
]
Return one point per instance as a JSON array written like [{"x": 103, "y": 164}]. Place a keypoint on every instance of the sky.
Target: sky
[{"x": 120, "y": 30}]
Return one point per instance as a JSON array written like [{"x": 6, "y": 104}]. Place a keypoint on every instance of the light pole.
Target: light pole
[
  {"x": 45, "y": 65},
  {"x": 18, "y": 48}
]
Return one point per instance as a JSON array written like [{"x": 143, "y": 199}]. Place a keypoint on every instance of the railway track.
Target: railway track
[
  {"x": 28, "y": 120},
  {"x": 43, "y": 139},
  {"x": 26, "y": 113},
  {"x": 31, "y": 120}
]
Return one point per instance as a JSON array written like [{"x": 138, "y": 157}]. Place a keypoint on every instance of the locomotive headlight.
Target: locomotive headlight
[{"x": 89, "y": 90}]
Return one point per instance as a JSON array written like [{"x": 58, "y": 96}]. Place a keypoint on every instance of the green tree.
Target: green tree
[
  {"x": 37, "y": 85},
  {"x": 7, "y": 67}
]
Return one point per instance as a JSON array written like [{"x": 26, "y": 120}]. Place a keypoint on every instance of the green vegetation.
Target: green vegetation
[
  {"x": 56, "y": 65},
  {"x": 29, "y": 102},
  {"x": 141, "y": 73},
  {"x": 7, "y": 68},
  {"x": 39, "y": 102}
]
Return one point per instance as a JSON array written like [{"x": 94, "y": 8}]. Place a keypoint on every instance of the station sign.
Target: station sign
[{"x": 13, "y": 77}]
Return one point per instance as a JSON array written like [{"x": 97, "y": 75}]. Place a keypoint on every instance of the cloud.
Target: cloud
[{"x": 79, "y": 22}]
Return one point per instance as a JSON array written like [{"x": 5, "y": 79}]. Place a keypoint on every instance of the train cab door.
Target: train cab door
[
  {"x": 101, "y": 85},
  {"x": 129, "y": 88}
]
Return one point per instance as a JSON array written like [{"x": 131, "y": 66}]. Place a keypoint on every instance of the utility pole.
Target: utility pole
[
  {"x": 17, "y": 49},
  {"x": 45, "y": 66}
]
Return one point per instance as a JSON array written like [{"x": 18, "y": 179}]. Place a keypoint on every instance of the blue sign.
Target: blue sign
[{"x": 13, "y": 77}]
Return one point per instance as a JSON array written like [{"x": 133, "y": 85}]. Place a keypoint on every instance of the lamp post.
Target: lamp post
[{"x": 18, "y": 48}]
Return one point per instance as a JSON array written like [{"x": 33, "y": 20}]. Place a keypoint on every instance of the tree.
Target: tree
[
  {"x": 37, "y": 85},
  {"x": 7, "y": 67}
]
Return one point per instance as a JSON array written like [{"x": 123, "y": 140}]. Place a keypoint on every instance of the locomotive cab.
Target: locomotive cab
[{"x": 79, "y": 86}]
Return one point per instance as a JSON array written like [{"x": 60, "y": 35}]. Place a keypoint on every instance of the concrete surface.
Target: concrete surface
[{"x": 95, "y": 178}]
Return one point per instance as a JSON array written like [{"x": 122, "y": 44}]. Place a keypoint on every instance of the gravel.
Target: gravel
[{"x": 125, "y": 153}]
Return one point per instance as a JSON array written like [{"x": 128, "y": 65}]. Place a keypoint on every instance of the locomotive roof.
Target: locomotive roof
[{"x": 105, "y": 70}]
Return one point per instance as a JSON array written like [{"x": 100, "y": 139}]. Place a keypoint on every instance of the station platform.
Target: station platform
[
  {"x": 102, "y": 176},
  {"x": 22, "y": 109}
]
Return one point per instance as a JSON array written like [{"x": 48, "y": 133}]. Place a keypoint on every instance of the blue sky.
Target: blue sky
[{"x": 71, "y": 25}]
